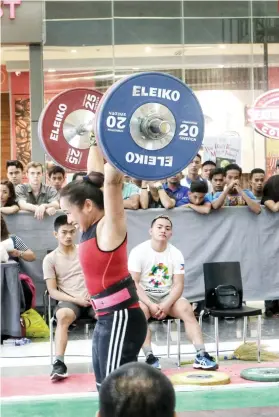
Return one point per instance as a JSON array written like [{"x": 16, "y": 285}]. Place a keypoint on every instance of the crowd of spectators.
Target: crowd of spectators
[{"x": 204, "y": 188}]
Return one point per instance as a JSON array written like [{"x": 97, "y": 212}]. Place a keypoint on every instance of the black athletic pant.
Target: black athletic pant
[{"x": 117, "y": 339}]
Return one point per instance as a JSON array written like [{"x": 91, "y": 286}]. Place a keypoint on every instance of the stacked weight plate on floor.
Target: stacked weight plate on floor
[
  {"x": 66, "y": 125},
  {"x": 200, "y": 378},
  {"x": 149, "y": 125},
  {"x": 261, "y": 374}
]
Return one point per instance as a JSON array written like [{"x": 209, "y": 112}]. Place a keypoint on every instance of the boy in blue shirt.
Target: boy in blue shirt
[
  {"x": 233, "y": 194},
  {"x": 197, "y": 199}
]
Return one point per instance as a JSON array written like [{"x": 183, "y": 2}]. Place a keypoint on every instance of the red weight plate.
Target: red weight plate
[{"x": 66, "y": 124}]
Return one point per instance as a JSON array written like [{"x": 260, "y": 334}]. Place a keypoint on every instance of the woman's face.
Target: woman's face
[
  {"x": 82, "y": 217},
  {"x": 4, "y": 194}
]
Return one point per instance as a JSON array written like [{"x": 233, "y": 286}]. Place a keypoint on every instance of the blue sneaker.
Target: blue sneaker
[
  {"x": 153, "y": 361},
  {"x": 205, "y": 362}
]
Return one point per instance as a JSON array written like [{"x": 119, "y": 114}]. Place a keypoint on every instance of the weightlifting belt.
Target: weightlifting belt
[{"x": 121, "y": 295}]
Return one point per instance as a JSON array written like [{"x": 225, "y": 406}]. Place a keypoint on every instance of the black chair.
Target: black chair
[{"x": 227, "y": 273}]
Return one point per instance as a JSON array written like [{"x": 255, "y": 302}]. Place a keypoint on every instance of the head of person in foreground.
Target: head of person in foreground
[{"x": 136, "y": 390}]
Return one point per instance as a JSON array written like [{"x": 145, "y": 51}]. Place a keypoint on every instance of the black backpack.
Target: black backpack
[{"x": 227, "y": 297}]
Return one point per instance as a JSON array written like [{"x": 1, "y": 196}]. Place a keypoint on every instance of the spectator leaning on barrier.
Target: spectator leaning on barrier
[
  {"x": 153, "y": 195},
  {"x": 56, "y": 176},
  {"x": 14, "y": 170},
  {"x": 65, "y": 283},
  {"x": 217, "y": 179},
  {"x": 233, "y": 194},
  {"x": 197, "y": 198},
  {"x": 271, "y": 194},
  {"x": 35, "y": 196},
  {"x": 175, "y": 193},
  {"x": 193, "y": 172},
  {"x": 136, "y": 390},
  {"x": 131, "y": 195},
  {"x": 78, "y": 176},
  {"x": 8, "y": 198},
  {"x": 257, "y": 177}
]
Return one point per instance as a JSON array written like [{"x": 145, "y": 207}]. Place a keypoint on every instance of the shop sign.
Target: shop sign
[
  {"x": 264, "y": 115},
  {"x": 10, "y": 4}
]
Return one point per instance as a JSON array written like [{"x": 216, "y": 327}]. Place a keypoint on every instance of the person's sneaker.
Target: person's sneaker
[
  {"x": 205, "y": 362},
  {"x": 59, "y": 371},
  {"x": 153, "y": 361}
]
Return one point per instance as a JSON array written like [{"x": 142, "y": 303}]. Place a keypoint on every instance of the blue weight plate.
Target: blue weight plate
[{"x": 143, "y": 104}]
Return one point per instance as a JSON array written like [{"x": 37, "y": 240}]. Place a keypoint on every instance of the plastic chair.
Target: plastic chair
[
  {"x": 169, "y": 320},
  {"x": 227, "y": 273}
]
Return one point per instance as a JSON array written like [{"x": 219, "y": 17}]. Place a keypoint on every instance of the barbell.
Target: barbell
[{"x": 148, "y": 125}]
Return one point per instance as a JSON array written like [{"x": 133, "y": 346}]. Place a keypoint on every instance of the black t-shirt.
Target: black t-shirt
[
  {"x": 271, "y": 190},
  {"x": 153, "y": 203}
]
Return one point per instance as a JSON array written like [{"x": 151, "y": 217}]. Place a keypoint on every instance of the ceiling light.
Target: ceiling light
[
  {"x": 73, "y": 51},
  {"x": 51, "y": 70},
  {"x": 222, "y": 46},
  {"x": 148, "y": 49},
  {"x": 221, "y": 66}
]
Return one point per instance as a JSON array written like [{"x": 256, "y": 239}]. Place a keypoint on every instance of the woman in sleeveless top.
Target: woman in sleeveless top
[{"x": 96, "y": 206}]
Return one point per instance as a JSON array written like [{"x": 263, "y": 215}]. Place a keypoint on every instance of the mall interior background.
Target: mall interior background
[{"x": 226, "y": 51}]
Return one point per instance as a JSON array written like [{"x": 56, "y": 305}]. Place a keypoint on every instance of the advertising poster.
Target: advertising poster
[
  {"x": 223, "y": 149},
  {"x": 22, "y": 128},
  {"x": 272, "y": 155}
]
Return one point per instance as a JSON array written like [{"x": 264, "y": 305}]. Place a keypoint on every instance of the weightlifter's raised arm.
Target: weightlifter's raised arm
[
  {"x": 95, "y": 160},
  {"x": 114, "y": 223}
]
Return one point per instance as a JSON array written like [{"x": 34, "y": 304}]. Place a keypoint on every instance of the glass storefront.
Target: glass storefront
[{"x": 226, "y": 51}]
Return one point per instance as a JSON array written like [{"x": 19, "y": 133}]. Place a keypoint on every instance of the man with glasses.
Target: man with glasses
[
  {"x": 14, "y": 170},
  {"x": 157, "y": 268}
]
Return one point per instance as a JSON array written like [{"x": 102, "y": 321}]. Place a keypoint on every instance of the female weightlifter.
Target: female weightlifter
[{"x": 96, "y": 205}]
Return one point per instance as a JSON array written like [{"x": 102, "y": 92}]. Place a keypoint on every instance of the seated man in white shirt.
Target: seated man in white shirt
[
  {"x": 65, "y": 283},
  {"x": 157, "y": 268}
]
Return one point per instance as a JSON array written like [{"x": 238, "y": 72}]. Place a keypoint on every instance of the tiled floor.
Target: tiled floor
[{"x": 34, "y": 358}]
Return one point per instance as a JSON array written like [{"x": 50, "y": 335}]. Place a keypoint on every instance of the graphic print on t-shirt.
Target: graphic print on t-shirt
[
  {"x": 159, "y": 275},
  {"x": 156, "y": 268},
  {"x": 235, "y": 200}
]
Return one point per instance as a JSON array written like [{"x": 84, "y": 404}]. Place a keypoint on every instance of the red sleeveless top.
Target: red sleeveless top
[{"x": 102, "y": 269}]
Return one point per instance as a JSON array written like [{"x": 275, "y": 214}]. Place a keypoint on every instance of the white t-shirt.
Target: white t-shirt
[{"x": 156, "y": 268}]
